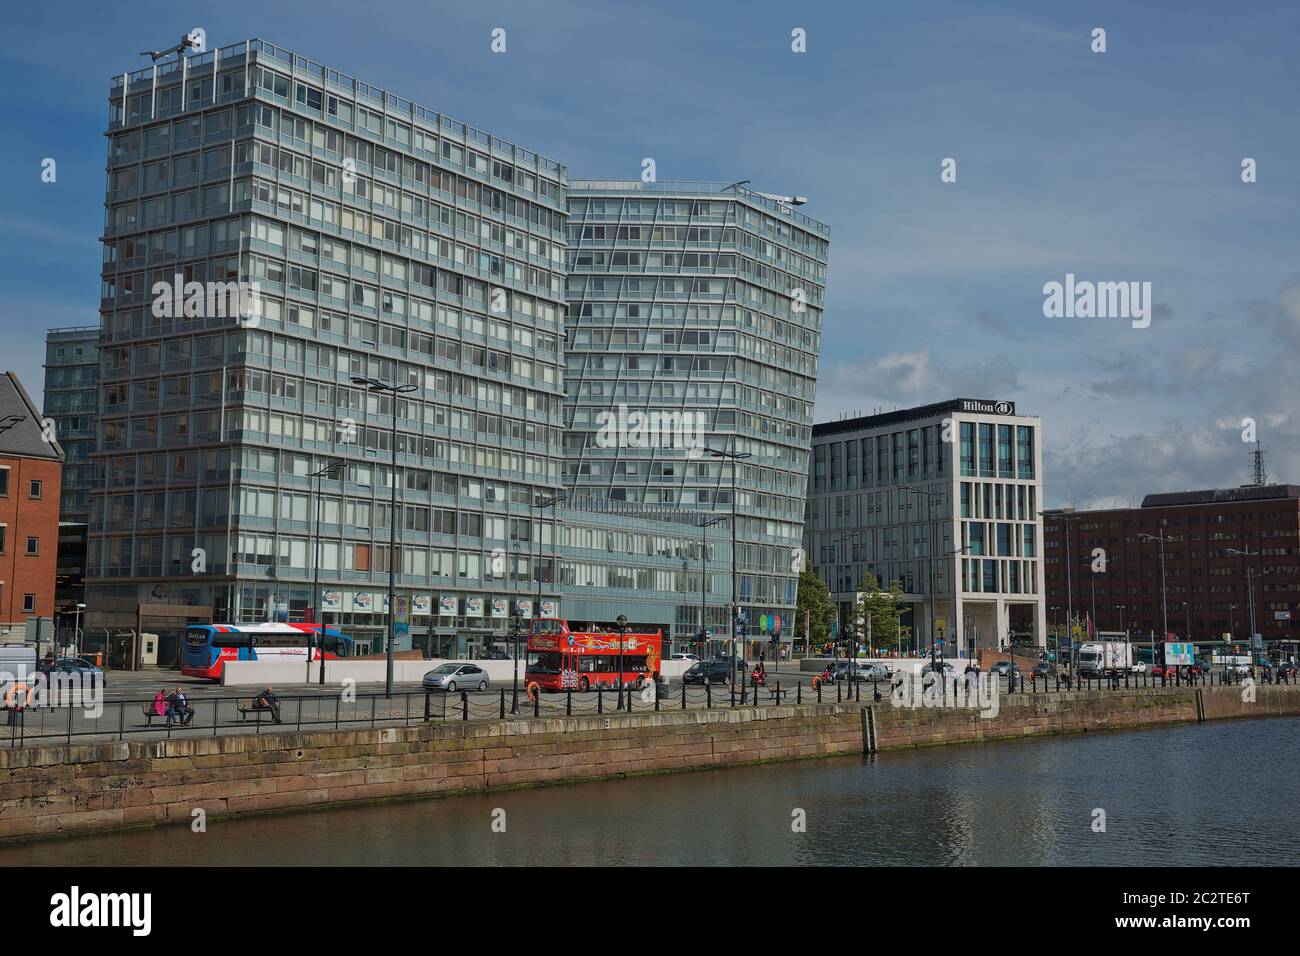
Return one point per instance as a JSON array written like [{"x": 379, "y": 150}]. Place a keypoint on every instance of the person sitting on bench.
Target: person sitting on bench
[
  {"x": 267, "y": 700},
  {"x": 178, "y": 708}
]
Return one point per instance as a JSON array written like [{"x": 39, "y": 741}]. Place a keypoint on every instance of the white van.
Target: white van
[{"x": 17, "y": 659}]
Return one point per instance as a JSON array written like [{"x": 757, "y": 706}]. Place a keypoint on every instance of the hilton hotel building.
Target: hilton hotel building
[{"x": 965, "y": 538}]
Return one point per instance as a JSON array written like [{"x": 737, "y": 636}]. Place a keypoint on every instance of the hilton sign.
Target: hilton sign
[{"x": 988, "y": 408}]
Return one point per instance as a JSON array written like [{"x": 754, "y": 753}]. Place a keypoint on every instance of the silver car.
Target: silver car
[{"x": 451, "y": 677}]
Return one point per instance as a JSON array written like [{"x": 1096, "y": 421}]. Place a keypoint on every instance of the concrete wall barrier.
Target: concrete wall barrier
[{"x": 88, "y": 787}]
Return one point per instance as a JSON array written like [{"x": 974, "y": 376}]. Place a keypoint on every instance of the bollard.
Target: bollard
[
  {"x": 683, "y": 694},
  {"x": 708, "y": 694},
  {"x": 839, "y": 695},
  {"x": 819, "y": 693},
  {"x": 568, "y": 703},
  {"x": 798, "y": 692},
  {"x": 503, "y": 703},
  {"x": 464, "y": 705},
  {"x": 537, "y": 703},
  {"x": 600, "y": 700}
]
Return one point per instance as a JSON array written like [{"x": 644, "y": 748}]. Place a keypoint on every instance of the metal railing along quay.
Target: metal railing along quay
[{"x": 213, "y": 716}]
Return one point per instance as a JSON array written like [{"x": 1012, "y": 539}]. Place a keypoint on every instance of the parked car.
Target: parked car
[
  {"x": 451, "y": 677},
  {"x": 708, "y": 672},
  {"x": 1285, "y": 667},
  {"x": 1044, "y": 671},
  {"x": 1002, "y": 668},
  {"x": 933, "y": 667},
  {"x": 494, "y": 654},
  {"x": 74, "y": 665},
  {"x": 726, "y": 658},
  {"x": 852, "y": 670},
  {"x": 693, "y": 658},
  {"x": 1140, "y": 667}
]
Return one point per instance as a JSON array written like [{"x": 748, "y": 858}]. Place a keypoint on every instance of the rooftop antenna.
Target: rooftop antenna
[
  {"x": 188, "y": 42},
  {"x": 1260, "y": 475}
]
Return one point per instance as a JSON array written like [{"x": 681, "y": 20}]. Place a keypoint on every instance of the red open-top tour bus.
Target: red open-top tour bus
[{"x": 563, "y": 659}]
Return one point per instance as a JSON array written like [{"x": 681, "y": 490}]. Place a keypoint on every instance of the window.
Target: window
[
  {"x": 4, "y": 482},
  {"x": 4, "y": 534},
  {"x": 34, "y": 489},
  {"x": 33, "y": 545},
  {"x": 29, "y": 603}
]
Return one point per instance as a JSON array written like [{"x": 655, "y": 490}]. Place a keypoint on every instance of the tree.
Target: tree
[
  {"x": 814, "y": 605},
  {"x": 877, "y": 613}
]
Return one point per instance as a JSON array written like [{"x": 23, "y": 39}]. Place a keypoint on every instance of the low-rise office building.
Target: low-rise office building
[
  {"x": 945, "y": 499},
  {"x": 1224, "y": 550}
]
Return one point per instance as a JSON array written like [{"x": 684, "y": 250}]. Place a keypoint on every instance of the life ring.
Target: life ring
[
  {"x": 534, "y": 689},
  {"x": 816, "y": 682},
  {"x": 18, "y": 696}
]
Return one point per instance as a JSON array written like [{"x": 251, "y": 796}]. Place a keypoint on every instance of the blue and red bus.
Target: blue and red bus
[
  {"x": 207, "y": 647},
  {"x": 563, "y": 659}
]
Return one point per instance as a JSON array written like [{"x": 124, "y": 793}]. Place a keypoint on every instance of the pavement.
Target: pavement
[{"x": 305, "y": 706}]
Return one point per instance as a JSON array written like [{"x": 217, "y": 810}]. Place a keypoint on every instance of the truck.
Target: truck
[{"x": 1099, "y": 658}]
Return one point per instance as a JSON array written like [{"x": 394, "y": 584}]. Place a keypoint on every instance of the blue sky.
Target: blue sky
[{"x": 1114, "y": 166}]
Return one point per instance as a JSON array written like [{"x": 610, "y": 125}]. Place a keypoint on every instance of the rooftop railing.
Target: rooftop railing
[
  {"x": 686, "y": 187},
  {"x": 342, "y": 82}
]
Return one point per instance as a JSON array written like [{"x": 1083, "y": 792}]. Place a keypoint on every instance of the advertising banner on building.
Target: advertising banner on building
[
  {"x": 473, "y": 607},
  {"x": 500, "y": 608},
  {"x": 363, "y": 601},
  {"x": 332, "y": 600},
  {"x": 1180, "y": 655},
  {"x": 421, "y": 605},
  {"x": 448, "y": 605},
  {"x": 549, "y": 609},
  {"x": 524, "y": 608}
]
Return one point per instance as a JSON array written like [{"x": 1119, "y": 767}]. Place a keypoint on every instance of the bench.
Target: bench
[
  {"x": 246, "y": 707},
  {"x": 149, "y": 714}
]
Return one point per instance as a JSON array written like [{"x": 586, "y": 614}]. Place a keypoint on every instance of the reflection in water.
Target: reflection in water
[{"x": 1214, "y": 793}]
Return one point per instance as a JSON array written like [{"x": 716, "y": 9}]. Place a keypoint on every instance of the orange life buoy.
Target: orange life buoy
[
  {"x": 18, "y": 696},
  {"x": 533, "y": 690},
  {"x": 816, "y": 682}
]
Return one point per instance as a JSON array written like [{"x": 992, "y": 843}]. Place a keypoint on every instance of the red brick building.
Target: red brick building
[
  {"x": 31, "y": 467},
  {"x": 1205, "y": 575}
]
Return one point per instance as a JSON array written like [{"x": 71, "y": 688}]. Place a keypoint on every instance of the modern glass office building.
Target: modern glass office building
[
  {"x": 385, "y": 241},
  {"x": 72, "y": 403},
  {"x": 694, "y": 325},
  {"x": 945, "y": 499}
]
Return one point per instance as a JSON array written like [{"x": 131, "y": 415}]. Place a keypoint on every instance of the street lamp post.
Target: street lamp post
[
  {"x": 76, "y": 628},
  {"x": 533, "y": 507},
  {"x": 704, "y": 577},
  {"x": 329, "y": 471},
  {"x": 1164, "y": 597},
  {"x": 930, "y": 498},
  {"x": 1069, "y": 582},
  {"x": 735, "y": 458},
  {"x": 850, "y": 639},
  {"x": 376, "y": 386},
  {"x": 1246, "y": 555}
]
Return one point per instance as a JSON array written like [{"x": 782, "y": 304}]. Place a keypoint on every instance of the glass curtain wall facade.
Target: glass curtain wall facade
[
  {"x": 943, "y": 498},
  {"x": 72, "y": 403},
  {"x": 386, "y": 241},
  {"x": 699, "y": 304}
]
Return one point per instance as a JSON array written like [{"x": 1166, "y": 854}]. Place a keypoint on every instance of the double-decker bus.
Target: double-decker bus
[
  {"x": 207, "y": 647},
  {"x": 563, "y": 659}
]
